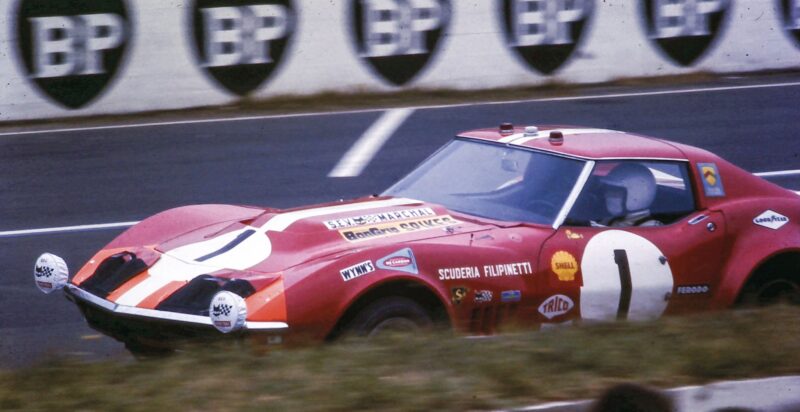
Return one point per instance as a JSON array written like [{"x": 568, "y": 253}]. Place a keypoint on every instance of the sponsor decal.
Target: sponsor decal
[
  {"x": 398, "y": 228},
  {"x": 401, "y": 261},
  {"x": 685, "y": 29},
  {"x": 508, "y": 296},
  {"x": 545, "y": 33},
  {"x": 240, "y": 43},
  {"x": 771, "y": 220},
  {"x": 43, "y": 271},
  {"x": 221, "y": 310},
  {"x": 791, "y": 19},
  {"x": 377, "y": 218},
  {"x": 398, "y": 38},
  {"x": 458, "y": 294},
  {"x": 483, "y": 296},
  {"x": 712, "y": 181},
  {"x": 564, "y": 266},
  {"x": 357, "y": 270},
  {"x": 71, "y": 50},
  {"x": 573, "y": 236},
  {"x": 556, "y": 305},
  {"x": 488, "y": 271},
  {"x": 692, "y": 289}
]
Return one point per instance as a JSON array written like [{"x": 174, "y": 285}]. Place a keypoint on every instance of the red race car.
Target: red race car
[{"x": 525, "y": 226}]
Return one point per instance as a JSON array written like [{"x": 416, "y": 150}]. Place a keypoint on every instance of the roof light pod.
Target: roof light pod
[
  {"x": 531, "y": 131},
  {"x": 506, "y": 129},
  {"x": 227, "y": 311},
  {"x": 50, "y": 273},
  {"x": 556, "y": 138}
]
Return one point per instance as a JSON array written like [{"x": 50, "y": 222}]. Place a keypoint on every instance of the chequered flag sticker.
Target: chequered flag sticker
[
  {"x": 44, "y": 271},
  {"x": 222, "y": 309}
]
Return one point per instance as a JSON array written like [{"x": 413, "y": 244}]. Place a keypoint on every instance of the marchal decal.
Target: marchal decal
[
  {"x": 240, "y": 43},
  {"x": 791, "y": 18},
  {"x": 685, "y": 29},
  {"x": 545, "y": 33},
  {"x": 771, "y": 220},
  {"x": 398, "y": 38},
  {"x": 71, "y": 50}
]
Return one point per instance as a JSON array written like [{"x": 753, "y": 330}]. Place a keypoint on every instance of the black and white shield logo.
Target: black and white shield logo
[
  {"x": 240, "y": 43},
  {"x": 685, "y": 29},
  {"x": 791, "y": 18},
  {"x": 72, "y": 49},
  {"x": 397, "y": 38},
  {"x": 545, "y": 33}
]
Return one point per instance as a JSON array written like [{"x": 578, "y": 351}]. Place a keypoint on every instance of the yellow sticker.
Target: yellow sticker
[
  {"x": 573, "y": 236},
  {"x": 710, "y": 175},
  {"x": 357, "y": 234},
  {"x": 564, "y": 265}
]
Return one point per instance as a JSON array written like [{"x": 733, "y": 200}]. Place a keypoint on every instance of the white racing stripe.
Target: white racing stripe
[{"x": 358, "y": 157}]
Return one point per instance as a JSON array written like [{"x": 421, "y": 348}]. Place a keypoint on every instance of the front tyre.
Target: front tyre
[{"x": 389, "y": 315}]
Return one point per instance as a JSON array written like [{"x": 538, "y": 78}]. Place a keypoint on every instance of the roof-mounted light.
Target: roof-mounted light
[
  {"x": 506, "y": 129},
  {"x": 556, "y": 138},
  {"x": 228, "y": 311},
  {"x": 50, "y": 273}
]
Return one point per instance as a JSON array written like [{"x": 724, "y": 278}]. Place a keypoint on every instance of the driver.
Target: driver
[{"x": 628, "y": 190}]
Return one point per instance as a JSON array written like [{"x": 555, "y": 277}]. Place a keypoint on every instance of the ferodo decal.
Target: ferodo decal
[
  {"x": 488, "y": 271},
  {"x": 712, "y": 181},
  {"x": 545, "y": 33},
  {"x": 400, "y": 261},
  {"x": 564, "y": 266},
  {"x": 791, "y": 18},
  {"x": 556, "y": 305},
  {"x": 71, "y": 50},
  {"x": 625, "y": 276},
  {"x": 357, "y": 270},
  {"x": 771, "y": 220},
  {"x": 391, "y": 229},
  {"x": 692, "y": 289},
  {"x": 398, "y": 38},
  {"x": 240, "y": 43},
  {"x": 376, "y": 218},
  {"x": 685, "y": 29}
]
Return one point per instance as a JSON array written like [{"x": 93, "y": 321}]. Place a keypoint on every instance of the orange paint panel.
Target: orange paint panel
[
  {"x": 128, "y": 286},
  {"x": 88, "y": 269},
  {"x": 269, "y": 305},
  {"x": 153, "y": 300}
]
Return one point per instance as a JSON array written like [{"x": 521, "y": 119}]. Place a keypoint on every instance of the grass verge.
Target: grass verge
[{"x": 426, "y": 372}]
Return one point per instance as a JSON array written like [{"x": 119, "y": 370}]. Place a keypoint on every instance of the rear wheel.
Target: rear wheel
[
  {"x": 771, "y": 289},
  {"x": 389, "y": 315}
]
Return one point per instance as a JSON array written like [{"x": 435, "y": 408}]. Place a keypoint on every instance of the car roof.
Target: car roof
[{"x": 583, "y": 142}]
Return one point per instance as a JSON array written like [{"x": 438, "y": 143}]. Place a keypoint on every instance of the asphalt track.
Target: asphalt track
[{"x": 71, "y": 178}]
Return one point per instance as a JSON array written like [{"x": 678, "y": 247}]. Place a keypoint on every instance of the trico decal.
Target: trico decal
[
  {"x": 400, "y": 261},
  {"x": 241, "y": 42},
  {"x": 483, "y": 296},
  {"x": 712, "y": 181},
  {"x": 692, "y": 289},
  {"x": 488, "y": 271},
  {"x": 771, "y": 220},
  {"x": 508, "y": 296},
  {"x": 377, "y": 218},
  {"x": 545, "y": 33},
  {"x": 564, "y": 266},
  {"x": 791, "y": 19},
  {"x": 71, "y": 50},
  {"x": 556, "y": 305},
  {"x": 398, "y": 228},
  {"x": 685, "y": 29},
  {"x": 458, "y": 294},
  {"x": 359, "y": 269},
  {"x": 397, "y": 38}
]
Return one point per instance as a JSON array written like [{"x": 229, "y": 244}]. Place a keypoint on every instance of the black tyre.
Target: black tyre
[
  {"x": 389, "y": 315},
  {"x": 771, "y": 290}
]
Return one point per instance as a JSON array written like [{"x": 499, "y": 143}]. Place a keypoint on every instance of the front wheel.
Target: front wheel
[{"x": 389, "y": 315}]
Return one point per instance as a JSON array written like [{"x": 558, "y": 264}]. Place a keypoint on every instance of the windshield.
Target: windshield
[{"x": 493, "y": 181}]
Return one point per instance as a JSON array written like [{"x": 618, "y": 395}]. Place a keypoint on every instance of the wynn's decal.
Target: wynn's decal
[
  {"x": 488, "y": 271},
  {"x": 398, "y": 228},
  {"x": 357, "y": 270},
  {"x": 378, "y": 218}
]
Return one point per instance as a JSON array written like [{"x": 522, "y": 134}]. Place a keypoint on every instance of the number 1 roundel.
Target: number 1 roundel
[{"x": 623, "y": 278}]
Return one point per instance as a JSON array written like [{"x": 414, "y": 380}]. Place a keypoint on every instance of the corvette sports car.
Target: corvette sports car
[{"x": 505, "y": 226}]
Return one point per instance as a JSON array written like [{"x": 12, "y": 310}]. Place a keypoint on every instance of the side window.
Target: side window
[{"x": 634, "y": 193}]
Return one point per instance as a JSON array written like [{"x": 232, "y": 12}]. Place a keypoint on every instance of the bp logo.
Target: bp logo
[
  {"x": 685, "y": 29},
  {"x": 72, "y": 49},
  {"x": 240, "y": 43},
  {"x": 545, "y": 33},
  {"x": 791, "y": 18},
  {"x": 397, "y": 38}
]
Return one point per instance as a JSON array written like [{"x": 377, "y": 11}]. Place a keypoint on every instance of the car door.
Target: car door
[{"x": 666, "y": 264}]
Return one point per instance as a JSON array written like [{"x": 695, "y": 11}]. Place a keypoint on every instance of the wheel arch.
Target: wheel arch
[
  {"x": 787, "y": 261},
  {"x": 751, "y": 271}
]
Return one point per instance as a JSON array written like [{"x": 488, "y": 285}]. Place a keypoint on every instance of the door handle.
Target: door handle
[{"x": 698, "y": 219}]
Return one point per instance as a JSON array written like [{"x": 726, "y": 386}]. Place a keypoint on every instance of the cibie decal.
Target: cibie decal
[
  {"x": 400, "y": 261},
  {"x": 357, "y": 270},
  {"x": 545, "y": 33},
  {"x": 564, "y": 266},
  {"x": 712, "y": 181},
  {"x": 556, "y": 305},
  {"x": 398, "y": 38},
  {"x": 684, "y": 30},
  {"x": 508, "y": 296},
  {"x": 376, "y": 218},
  {"x": 791, "y": 19},
  {"x": 488, "y": 271},
  {"x": 483, "y": 296},
  {"x": 391, "y": 229},
  {"x": 458, "y": 294},
  {"x": 240, "y": 43},
  {"x": 71, "y": 50},
  {"x": 771, "y": 220}
]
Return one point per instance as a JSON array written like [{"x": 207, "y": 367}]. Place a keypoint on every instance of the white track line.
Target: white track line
[
  {"x": 65, "y": 229},
  {"x": 277, "y": 116},
  {"x": 358, "y": 157}
]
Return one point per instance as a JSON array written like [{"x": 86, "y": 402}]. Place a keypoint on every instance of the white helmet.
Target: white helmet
[{"x": 638, "y": 183}]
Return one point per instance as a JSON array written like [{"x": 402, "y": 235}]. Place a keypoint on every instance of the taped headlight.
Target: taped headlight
[
  {"x": 228, "y": 311},
  {"x": 50, "y": 273}
]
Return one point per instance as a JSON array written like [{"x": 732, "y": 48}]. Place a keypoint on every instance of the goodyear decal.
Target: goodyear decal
[
  {"x": 712, "y": 181},
  {"x": 398, "y": 228},
  {"x": 564, "y": 266}
]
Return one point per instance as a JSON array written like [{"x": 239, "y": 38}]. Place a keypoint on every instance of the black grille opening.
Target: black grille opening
[
  {"x": 112, "y": 273},
  {"x": 195, "y": 297}
]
